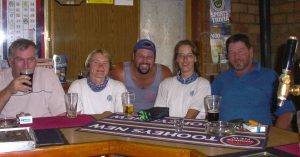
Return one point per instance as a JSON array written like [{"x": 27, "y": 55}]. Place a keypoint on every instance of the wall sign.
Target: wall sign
[
  {"x": 21, "y": 19},
  {"x": 220, "y": 29}
]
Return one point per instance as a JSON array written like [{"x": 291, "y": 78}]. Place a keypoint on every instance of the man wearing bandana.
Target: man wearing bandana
[
  {"x": 184, "y": 93},
  {"x": 142, "y": 75}
]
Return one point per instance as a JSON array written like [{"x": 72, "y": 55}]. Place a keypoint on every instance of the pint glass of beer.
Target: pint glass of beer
[
  {"x": 29, "y": 73},
  {"x": 128, "y": 99},
  {"x": 212, "y": 106}
]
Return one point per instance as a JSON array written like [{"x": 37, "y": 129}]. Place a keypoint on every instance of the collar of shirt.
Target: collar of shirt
[{"x": 188, "y": 80}]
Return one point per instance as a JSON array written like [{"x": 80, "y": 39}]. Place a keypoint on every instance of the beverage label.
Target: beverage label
[{"x": 60, "y": 65}]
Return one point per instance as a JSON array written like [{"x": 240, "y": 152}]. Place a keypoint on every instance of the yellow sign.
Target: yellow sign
[{"x": 100, "y": 1}]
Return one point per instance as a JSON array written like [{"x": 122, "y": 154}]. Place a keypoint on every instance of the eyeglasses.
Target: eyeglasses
[
  {"x": 188, "y": 56},
  {"x": 148, "y": 57}
]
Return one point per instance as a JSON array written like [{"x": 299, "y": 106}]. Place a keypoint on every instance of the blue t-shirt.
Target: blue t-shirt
[{"x": 250, "y": 96}]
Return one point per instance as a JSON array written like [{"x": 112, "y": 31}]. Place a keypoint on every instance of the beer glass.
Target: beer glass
[
  {"x": 128, "y": 99},
  {"x": 212, "y": 106},
  {"x": 71, "y": 104},
  {"x": 29, "y": 73},
  {"x": 178, "y": 124}
]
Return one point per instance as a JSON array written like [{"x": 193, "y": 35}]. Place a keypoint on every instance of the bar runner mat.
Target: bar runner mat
[
  {"x": 59, "y": 122},
  {"x": 163, "y": 130}
]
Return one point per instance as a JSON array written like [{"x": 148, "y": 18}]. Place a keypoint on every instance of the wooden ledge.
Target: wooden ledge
[{"x": 106, "y": 148}]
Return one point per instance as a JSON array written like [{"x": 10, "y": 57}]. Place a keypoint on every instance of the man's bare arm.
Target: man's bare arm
[
  {"x": 117, "y": 72},
  {"x": 166, "y": 72},
  {"x": 4, "y": 97}
]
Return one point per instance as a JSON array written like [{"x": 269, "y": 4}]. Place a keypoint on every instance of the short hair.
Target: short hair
[
  {"x": 100, "y": 51},
  {"x": 236, "y": 38},
  {"x": 21, "y": 44},
  {"x": 194, "y": 51}
]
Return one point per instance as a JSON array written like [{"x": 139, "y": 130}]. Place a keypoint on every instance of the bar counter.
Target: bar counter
[{"x": 91, "y": 144}]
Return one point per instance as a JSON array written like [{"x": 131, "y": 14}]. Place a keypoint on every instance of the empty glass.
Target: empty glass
[
  {"x": 178, "y": 124},
  {"x": 71, "y": 104}
]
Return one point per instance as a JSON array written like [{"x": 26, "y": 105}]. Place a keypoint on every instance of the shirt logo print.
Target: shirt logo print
[
  {"x": 109, "y": 98},
  {"x": 192, "y": 93}
]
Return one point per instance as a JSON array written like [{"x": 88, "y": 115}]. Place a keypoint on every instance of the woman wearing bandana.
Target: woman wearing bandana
[
  {"x": 97, "y": 93},
  {"x": 184, "y": 93}
]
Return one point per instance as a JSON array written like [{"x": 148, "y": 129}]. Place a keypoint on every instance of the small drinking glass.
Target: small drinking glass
[
  {"x": 178, "y": 124},
  {"x": 71, "y": 104}
]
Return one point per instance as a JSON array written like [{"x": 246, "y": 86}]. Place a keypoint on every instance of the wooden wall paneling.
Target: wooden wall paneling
[
  {"x": 200, "y": 32},
  {"x": 78, "y": 30},
  {"x": 188, "y": 19}
]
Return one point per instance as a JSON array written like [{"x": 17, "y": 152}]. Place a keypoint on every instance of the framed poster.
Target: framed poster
[
  {"x": 220, "y": 29},
  {"x": 21, "y": 19}
]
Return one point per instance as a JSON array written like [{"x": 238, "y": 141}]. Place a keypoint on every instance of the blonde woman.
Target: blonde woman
[{"x": 97, "y": 93}]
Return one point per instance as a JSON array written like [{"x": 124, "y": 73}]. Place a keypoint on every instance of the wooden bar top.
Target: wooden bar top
[{"x": 91, "y": 144}]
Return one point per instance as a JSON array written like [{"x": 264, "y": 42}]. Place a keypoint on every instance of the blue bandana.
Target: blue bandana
[
  {"x": 186, "y": 81},
  {"x": 97, "y": 88}
]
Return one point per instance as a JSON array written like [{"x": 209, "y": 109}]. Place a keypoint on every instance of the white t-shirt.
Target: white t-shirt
[
  {"x": 182, "y": 97},
  {"x": 90, "y": 102},
  {"x": 46, "y": 99}
]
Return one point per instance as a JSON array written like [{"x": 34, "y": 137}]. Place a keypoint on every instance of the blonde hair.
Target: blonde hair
[{"x": 90, "y": 57}]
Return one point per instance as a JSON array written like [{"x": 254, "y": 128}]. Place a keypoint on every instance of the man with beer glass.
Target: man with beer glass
[
  {"x": 142, "y": 75},
  {"x": 27, "y": 88}
]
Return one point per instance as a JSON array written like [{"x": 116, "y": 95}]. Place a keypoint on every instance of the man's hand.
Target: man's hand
[{"x": 19, "y": 85}]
